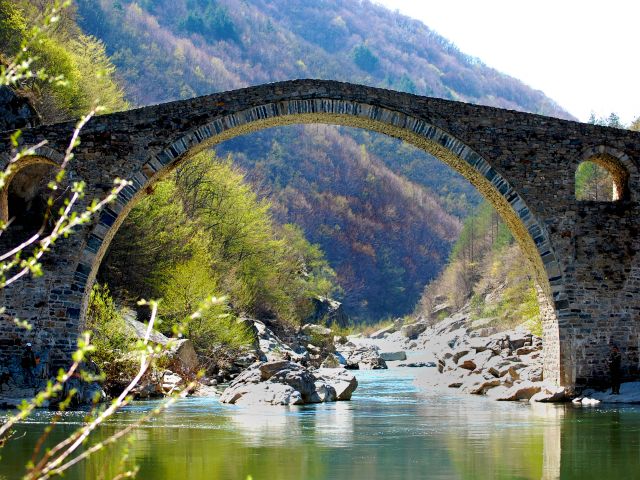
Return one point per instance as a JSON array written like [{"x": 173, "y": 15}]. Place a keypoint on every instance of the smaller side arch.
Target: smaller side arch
[
  {"x": 41, "y": 155},
  {"x": 623, "y": 172}
]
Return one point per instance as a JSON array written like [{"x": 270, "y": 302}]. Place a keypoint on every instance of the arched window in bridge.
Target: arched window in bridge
[
  {"x": 601, "y": 178},
  {"x": 24, "y": 200}
]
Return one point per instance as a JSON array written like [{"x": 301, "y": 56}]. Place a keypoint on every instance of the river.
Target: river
[{"x": 389, "y": 430}]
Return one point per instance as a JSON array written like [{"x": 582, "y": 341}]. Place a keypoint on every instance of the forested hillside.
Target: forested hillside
[{"x": 341, "y": 184}]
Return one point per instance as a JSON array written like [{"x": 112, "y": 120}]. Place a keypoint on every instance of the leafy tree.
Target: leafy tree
[
  {"x": 365, "y": 59},
  {"x": 86, "y": 75},
  {"x": 593, "y": 182},
  {"x": 204, "y": 231},
  {"x": 210, "y": 20}
]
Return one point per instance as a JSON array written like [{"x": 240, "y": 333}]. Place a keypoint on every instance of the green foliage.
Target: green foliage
[
  {"x": 204, "y": 232},
  {"x": 593, "y": 182},
  {"x": 613, "y": 120},
  {"x": 487, "y": 269},
  {"x": 13, "y": 27},
  {"x": 217, "y": 335},
  {"x": 514, "y": 303},
  {"x": 156, "y": 236},
  {"x": 481, "y": 230},
  {"x": 111, "y": 336},
  {"x": 209, "y": 19},
  {"x": 80, "y": 60},
  {"x": 365, "y": 59}
]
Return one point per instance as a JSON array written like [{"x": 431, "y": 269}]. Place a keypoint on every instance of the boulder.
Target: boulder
[
  {"x": 412, "y": 330},
  {"x": 328, "y": 312},
  {"x": 418, "y": 364},
  {"x": 519, "y": 339},
  {"x": 499, "y": 366},
  {"x": 479, "y": 344},
  {"x": 361, "y": 357},
  {"x": 342, "y": 381},
  {"x": 171, "y": 382},
  {"x": 459, "y": 353},
  {"x": 269, "y": 369},
  {"x": 179, "y": 354},
  {"x": 474, "y": 360},
  {"x": 299, "y": 379},
  {"x": 383, "y": 332},
  {"x": 481, "y": 358},
  {"x": 393, "y": 356},
  {"x": 246, "y": 359},
  {"x": 272, "y": 348},
  {"x": 531, "y": 373},
  {"x": 451, "y": 324},
  {"x": 526, "y": 350},
  {"x": 262, "y": 393},
  {"x": 323, "y": 393},
  {"x": 520, "y": 391},
  {"x": 481, "y": 387},
  {"x": 312, "y": 330},
  {"x": 288, "y": 383},
  {"x": 550, "y": 393},
  {"x": 467, "y": 362},
  {"x": 372, "y": 363}
]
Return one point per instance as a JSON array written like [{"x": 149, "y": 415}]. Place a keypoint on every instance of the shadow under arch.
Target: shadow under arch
[{"x": 528, "y": 231}]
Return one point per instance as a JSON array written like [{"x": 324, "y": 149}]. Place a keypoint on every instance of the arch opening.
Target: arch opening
[
  {"x": 24, "y": 202},
  {"x": 529, "y": 233},
  {"x": 601, "y": 178}
]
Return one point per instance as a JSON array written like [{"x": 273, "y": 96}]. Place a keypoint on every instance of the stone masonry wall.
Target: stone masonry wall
[{"x": 582, "y": 253}]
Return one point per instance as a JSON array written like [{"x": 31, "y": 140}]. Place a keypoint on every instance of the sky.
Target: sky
[{"x": 582, "y": 54}]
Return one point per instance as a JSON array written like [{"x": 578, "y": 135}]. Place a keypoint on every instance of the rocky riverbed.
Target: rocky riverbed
[
  {"x": 312, "y": 365},
  {"x": 504, "y": 365}
]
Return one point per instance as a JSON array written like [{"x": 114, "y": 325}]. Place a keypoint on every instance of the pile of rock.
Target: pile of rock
[
  {"x": 504, "y": 366},
  {"x": 288, "y": 383},
  {"x": 360, "y": 357}
]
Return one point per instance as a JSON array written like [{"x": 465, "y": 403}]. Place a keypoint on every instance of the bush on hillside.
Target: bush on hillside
[{"x": 203, "y": 232}]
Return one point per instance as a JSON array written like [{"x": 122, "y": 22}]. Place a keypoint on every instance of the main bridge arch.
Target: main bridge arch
[{"x": 507, "y": 156}]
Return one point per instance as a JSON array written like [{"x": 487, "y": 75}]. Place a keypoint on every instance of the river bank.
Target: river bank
[{"x": 503, "y": 365}]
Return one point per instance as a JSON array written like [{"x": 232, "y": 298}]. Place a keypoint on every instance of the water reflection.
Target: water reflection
[{"x": 389, "y": 430}]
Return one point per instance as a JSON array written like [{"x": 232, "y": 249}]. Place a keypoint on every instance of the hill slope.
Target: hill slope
[{"x": 383, "y": 244}]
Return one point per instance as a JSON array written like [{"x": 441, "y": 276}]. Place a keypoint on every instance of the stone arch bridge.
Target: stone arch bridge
[{"x": 583, "y": 253}]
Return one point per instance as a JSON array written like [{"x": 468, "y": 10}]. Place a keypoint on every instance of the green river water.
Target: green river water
[{"x": 389, "y": 430}]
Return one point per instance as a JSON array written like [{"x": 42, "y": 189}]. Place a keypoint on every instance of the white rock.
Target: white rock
[
  {"x": 341, "y": 380},
  {"x": 549, "y": 393},
  {"x": 393, "y": 356}
]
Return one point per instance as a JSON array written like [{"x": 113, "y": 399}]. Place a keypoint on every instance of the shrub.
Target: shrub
[{"x": 365, "y": 59}]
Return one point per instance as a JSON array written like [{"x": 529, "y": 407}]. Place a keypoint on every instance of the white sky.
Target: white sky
[{"x": 582, "y": 54}]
